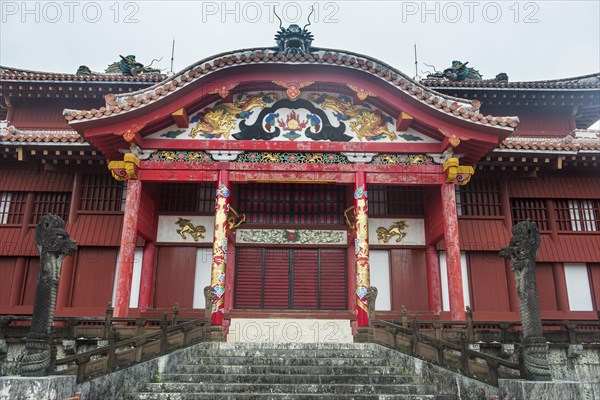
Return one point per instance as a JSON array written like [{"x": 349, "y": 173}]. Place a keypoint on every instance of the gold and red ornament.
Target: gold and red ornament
[
  {"x": 292, "y": 125},
  {"x": 293, "y": 88},
  {"x": 224, "y": 89}
]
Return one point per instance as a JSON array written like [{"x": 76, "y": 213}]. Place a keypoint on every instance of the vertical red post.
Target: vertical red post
[
  {"x": 361, "y": 248},
  {"x": 65, "y": 284},
  {"x": 560, "y": 286},
  {"x": 128, "y": 242},
  {"x": 434, "y": 287},
  {"x": 147, "y": 276},
  {"x": 219, "y": 264},
  {"x": 455, "y": 288},
  {"x": 17, "y": 287}
]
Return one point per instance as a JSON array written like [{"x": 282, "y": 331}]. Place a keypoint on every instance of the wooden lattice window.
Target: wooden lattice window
[
  {"x": 292, "y": 204},
  {"x": 56, "y": 203},
  {"x": 188, "y": 198},
  {"x": 577, "y": 215},
  {"x": 101, "y": 192},
  {"x": 533, "y": 209},
  {"x": 12, "y": 207},
  {"x": 479, "y": 198},
  {"x": 397, "y": 201}
]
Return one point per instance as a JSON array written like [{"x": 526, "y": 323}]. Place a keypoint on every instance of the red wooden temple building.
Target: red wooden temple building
[{"x": 291, "y": 179}]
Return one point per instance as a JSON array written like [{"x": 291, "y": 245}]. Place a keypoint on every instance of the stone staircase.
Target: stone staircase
[{"x": 289, "y": 371}]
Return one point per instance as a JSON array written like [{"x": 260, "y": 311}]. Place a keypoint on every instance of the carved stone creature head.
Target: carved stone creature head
[
  {"x": 51, "y": 237},
  {"x": 523, "y": 246}
]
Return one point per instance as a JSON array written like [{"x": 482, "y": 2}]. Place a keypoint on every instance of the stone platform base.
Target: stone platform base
[
  {"x": 47, "y": 388},
  {"x": 556, "y": 390}
]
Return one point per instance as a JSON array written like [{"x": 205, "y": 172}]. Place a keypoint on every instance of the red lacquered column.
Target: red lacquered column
[
  {"x": 128, "y": 242},
  {"x": 455, "y": 288}
]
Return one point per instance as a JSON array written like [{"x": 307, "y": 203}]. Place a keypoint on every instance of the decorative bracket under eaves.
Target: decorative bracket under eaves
[
  {"x": 458, "y": 174},
  {"x": 126, "y": 169}
]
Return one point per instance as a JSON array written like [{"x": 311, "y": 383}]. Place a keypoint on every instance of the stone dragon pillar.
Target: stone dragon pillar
[
  {"x": 522, "y": 251},
  {"x": 53, "y": 244}
]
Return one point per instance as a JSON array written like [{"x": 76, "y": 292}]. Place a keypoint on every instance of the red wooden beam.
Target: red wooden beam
[
  {"x": 169, "y": 175},
  {"x": 291, "y": 177},
  {"x": 181, "y": 118},
  {"x": 403, "y": 121},
  {"x": 271, "y": 145}
]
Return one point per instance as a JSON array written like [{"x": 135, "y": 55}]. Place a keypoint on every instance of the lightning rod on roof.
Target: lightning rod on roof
[
  {"x": 172, "y": 56},
  {"x": 416, "y": 63}
]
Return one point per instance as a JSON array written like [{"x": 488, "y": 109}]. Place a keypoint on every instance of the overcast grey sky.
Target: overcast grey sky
[{"x": 529, "y": 40}]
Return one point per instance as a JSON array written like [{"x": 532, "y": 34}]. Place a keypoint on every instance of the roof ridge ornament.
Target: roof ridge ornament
[
  {"x": 459, "y": 72},
  {"x": 293, "y": 39}
]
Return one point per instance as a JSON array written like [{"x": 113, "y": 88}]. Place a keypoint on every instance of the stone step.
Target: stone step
[
  {"x": 289, "y": 379},
  {"x": 348, "y": 389},
  {"x": 291, "y": 361},
  {"x": 289, "y": 369},
  {"x": 284, "y": 396},
  {"x": 285, "y": 352},
  {"x": 292, "y": 346}
]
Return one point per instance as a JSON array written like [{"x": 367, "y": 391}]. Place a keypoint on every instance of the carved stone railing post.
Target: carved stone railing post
[
  {"x": 175, "y": 319},
  {"x": 404, "y": 316},
  {"x": 371, "y": 299},
  {"x": 522, "y": 251},
  {"x": 53, "y": 244},
  {"x": 108, "y": 320},
  {"x": 209, "y": 298},
  {"x": 470, "y": 331}
]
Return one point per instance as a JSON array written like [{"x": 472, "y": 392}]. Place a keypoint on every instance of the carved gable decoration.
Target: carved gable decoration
[{"x": 308, "y": 117}]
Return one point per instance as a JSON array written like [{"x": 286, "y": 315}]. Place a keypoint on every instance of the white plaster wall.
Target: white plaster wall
[
  {"x": 444, "y": 279},
  {"x": 202, "y": 275},
  {"x": 379, "y": 262},
  {"x": 415, "y": 232},
  {"x": 578, "y": 287},
  {"x": 167, "y": 229},
  {"x": 245, "y": 330},
  {"x": 135, "y": 279}
]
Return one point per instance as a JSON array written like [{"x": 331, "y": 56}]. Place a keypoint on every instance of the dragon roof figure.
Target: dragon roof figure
[{"x": 294, "y": 40}]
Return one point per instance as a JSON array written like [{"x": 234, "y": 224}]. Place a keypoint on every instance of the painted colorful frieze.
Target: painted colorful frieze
[
  {"x": 309, "y": 116},
  {"x": 291, "y": 236},
  {"x": 290, "y": 158}
]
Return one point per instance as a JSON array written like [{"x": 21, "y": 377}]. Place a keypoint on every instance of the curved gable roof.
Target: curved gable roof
[{"x": 465, "y": 110}]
